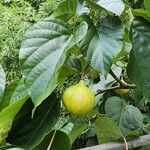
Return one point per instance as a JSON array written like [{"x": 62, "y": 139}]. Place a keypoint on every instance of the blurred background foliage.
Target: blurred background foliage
[{"x": 15, "y": 18}]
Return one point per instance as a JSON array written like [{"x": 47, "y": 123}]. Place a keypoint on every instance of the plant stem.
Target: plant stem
[
  {"x": 84, "y": 71},
  {"x": 50, "y": 144},
  {"x": 127, "y": 86},
  {"x": 122, "y": 85},
  {"x": 126, "y": 144},
  {"x": 54, "y": 134},
  {"x": 116, "y": 78}
]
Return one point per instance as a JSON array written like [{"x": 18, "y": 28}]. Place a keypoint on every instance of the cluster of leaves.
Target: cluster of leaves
[{"x": 90, "y": 37}]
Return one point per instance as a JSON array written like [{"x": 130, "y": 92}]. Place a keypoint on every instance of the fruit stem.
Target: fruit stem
[
  {"x": 83, "y": 72},
  {"x": 82, "y": 75}
]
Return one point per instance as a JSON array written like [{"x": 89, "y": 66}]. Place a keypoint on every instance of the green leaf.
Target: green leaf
[
  {"x": 7, "y": 116},
  {"x": 127, "y": 117},
  {"x": 91, "y": 142},
  {"x": 107, "y": 130},
  {"x": 71, "y": 67},
  {"x": 13, "y": 92},
  {"x": 114, "y": 6},
  {"x": 66, "y": 10},
  {"x": 147, "y": 4},
  {"x": 2, "y": 82},
  {"x": 10, "y": 147},
  {"x": 14, "y": 97},
  {"x": 82, "y": 9},
  {"x": 77, "y": 130},
  {"x": 43, "y": 52},
  {"x": 134, "y": 133},
  {"x": 9, "y": 90},
  {"x": 76, "y": 126},
  {"x": 75, "y": 64},
  {"x": 146, "y": 147},
  {"x": 141, "y": 13},
  {"x": 27, "y": 133},
  {"x": 67, "y": 128},
  {"x": 63, "y": 124},
  {"x": 127, "y": 17},
  {"x": 56, "y": 140},
  {"x": 103, "y": 43},
  {"x": 138, "y": 68},
  {"x": 139, "y": 100},
  {"x": 20, "y": 91}
]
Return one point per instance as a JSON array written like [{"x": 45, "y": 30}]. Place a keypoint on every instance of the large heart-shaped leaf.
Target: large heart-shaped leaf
[
  {"x": 114, "y": 6},
  {"x": 42, "y": 54},
  {"x": 127, "y": 117},
  {"x": 66, "y": 10},
  {"x": 28, "y": 132},
  {"x": 103, "y": 43},
  {"x": 2, "y": 82},
  {"x": 107, "y": 130},
  {"x": 138, "y": 69}
]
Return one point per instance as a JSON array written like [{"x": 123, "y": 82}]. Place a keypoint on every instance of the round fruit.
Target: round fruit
[
  {"x": 79, "y": 99},
  {"x": 122, "y": 91}
]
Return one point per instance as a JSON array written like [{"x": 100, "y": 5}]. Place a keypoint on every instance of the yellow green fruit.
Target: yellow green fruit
[
  {"x": 122, "y": 91},
  {"x": 79, "y": 99}
]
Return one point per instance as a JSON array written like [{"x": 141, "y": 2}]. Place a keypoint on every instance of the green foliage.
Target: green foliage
[
  {"x": 147, "y": 4},
  {"x": 38, "y": 53},
  {"x": 51, "y": 141},
  {"x": 79, "y": 127},
  {"x": 109, "y": 32},
  {"x": 66, "y": 10},
  {"x": 16, "y": 18},
  {"x": 35, "y": 130},
  {"x": 6, "y": 117},
  {"x": 13, "y": 92},
  {"x": 107, "y": 130},
  {"x": 13, "y": 26},
  {"x": 48, "y": 45},
  {"x": 127, "y": 117},
  {"x": 115, "y": 6},
  {"x": 139, "y": 57}
]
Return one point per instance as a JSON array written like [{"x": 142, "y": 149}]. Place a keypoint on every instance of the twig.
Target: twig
[
  {"x": 127, "y": 86},
  {"x": 132, "y": 143},
  {"x": 116, "y": 78},
  {"x": 84, "y": 71},
  {"x": 122, "y": 85}
]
